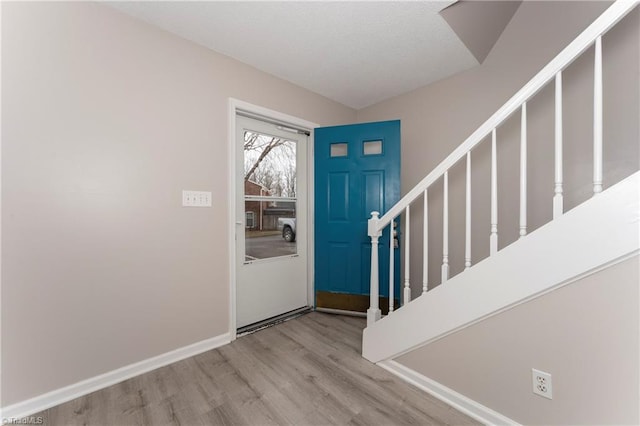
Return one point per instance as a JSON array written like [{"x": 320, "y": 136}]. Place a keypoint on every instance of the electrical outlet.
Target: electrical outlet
[{"x": 542, "y": 383}]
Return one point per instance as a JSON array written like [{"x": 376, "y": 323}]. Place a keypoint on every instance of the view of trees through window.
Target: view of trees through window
[{"x": 271, "y": 162}]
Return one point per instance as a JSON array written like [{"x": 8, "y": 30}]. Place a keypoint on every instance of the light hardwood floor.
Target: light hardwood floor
[{"x": 306, "y": 371}]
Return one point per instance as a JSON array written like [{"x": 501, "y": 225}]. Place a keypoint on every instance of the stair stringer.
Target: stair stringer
[{"x": 600, "y": 232}]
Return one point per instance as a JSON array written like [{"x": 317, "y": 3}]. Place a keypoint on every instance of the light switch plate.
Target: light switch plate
[{"x": 196, "y": 198}]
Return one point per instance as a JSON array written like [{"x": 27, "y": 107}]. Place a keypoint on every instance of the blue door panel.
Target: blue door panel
[
  {"x": 339, "y": 265},
  {"x": 347, "y": 189},
  {"x": 337, "y": 196},
  {"x": 372, "y": 193}
]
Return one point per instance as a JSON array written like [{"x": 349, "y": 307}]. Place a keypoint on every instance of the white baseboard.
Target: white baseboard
[
  {"x": 67, "y": 393},
  {"x": 460, "y": 402}
]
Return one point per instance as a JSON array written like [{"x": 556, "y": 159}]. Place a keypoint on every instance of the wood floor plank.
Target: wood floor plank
[
  {"x": 225, "y": 414},
  {"x": 306, "y": 371},
  {"x": 291, "y": 410}
]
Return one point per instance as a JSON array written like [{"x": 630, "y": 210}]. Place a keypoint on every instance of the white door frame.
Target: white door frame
[{"x": 234, "y": 106}]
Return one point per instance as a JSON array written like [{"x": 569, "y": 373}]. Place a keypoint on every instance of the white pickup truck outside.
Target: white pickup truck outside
[{"x": 288, "y": 227}]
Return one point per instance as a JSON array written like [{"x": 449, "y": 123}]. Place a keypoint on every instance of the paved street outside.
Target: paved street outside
[{"x": 268, "y": 246}]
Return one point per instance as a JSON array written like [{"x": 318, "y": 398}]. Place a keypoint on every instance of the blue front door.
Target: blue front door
[{"x": 357, "y": 171}]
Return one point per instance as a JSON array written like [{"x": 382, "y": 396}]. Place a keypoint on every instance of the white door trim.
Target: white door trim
[{"x": 234, "y": 106}]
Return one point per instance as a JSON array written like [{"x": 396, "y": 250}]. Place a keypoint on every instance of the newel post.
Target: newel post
[{"x": 373, "y": 313}]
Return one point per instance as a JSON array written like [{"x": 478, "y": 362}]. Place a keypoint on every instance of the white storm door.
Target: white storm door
[{"x": 271, "y": 204}]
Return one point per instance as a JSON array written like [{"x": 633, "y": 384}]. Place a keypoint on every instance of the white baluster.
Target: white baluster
[
  {"x": 425, "y": 245},
  {"x": 523, "y": 171},
  {"x": 391, "y": 263},
  {"x": 597, "y": 118},
  {"x": 493, "y": 238},
  {"x": 407, "y": 256},
  {"x": 557, "y": 197},
  {"x": 445, "y": 229},
  {"x": 467, "y": 242},
  {"x": 373, "y": 313}
]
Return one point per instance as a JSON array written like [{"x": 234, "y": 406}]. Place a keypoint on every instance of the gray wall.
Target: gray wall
[
  {"x": 105, "y": 120},
  {"x": 438, "y": 117},
  {"x": 585, "y": 334}
]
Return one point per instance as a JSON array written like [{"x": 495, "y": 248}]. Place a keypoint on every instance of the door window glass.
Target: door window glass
[
  {"x": 372, "y": 148},
  {"x": 269, "y": 196},
  {"x": 339, "y": 150}
]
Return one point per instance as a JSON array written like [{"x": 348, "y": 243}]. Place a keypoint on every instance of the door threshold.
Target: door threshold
[
  {"x": 342, "y": 312},
  {"x": 256, "y": 326},
  {"x": 346, "y": 302}
]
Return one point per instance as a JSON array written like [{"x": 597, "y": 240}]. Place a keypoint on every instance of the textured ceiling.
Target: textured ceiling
[{"x": 356, "y": 53}]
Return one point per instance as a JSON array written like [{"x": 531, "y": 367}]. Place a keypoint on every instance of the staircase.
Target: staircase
[{"x": 603, "y": 229}]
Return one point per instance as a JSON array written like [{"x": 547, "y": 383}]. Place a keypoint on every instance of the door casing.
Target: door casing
[{"x": 269, "y": 114}]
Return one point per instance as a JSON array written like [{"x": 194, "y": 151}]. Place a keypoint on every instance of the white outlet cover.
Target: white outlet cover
[{"x": 542, "y": 384}]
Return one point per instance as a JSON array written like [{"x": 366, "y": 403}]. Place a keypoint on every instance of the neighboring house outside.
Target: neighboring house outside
[
  {"x": 277, "y": 210},
  {"x": 263, "y": 215},
  {"x": 254, "y": 210}
]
